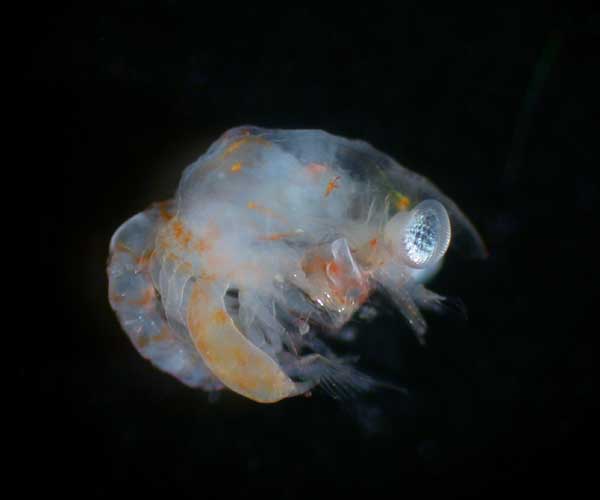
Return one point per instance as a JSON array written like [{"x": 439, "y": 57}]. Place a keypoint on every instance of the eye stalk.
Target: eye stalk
[{"x": 420, "y": 237}]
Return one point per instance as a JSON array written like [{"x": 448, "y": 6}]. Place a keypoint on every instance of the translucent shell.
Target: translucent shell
[{"x": 273, "y": 241}]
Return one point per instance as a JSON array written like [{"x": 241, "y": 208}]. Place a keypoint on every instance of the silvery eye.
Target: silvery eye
[{"x": 426, "y": 234}]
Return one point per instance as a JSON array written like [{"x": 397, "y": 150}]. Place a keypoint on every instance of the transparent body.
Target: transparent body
[{"x": 274, "y": 239}]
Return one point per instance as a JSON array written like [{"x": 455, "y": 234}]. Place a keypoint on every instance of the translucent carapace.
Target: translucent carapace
[{"x": 274, "y": 239}]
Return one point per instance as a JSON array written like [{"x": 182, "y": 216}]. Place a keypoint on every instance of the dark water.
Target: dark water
[{"x": 495, "y": 105}]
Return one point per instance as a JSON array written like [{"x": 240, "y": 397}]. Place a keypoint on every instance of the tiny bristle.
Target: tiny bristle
[{"x": 344, "y": 382}]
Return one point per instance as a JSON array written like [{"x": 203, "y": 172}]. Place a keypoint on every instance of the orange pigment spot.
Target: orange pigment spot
[
  {"x": 220, "y": 317},
  {"x": 144, "y": 259},
  {"x": 146, "y": 299},
  {"x": 207, "y": 277},
  {"x": 260, "y": 140},
  {"x": 116, "y": 298},
  {"x": 165, "y": 334},
  {"x": 316, "y": 168},
  {"x": 333, "y": 268},
  {"x": 267, "y": 211},
  {"x": 199, "y": 341},
  {"x": 373, "y": 243},
  {"x": 142, "y": 342},
  {"x": 314, "y": 265},
  {"x": 199, "y": 294},
  {"x": 236, "y": 167},
  {"x": 402, "y": 203},
  {"x": 241, "y": 356},
  {"x": 331, "y": 185},
  {"x": 121, "y": 247},
  {"x": 165, "y": 214},
  {"x": 275, "y": 236},
  {"x": 181, "y": 234},
  {"x": 246, "y": 384},
  {"x": 234, "y": 146},
  {"x": 203, "y": 245}
]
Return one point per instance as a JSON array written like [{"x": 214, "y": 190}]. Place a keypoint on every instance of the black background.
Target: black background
[{"x": 495, "y": 105}]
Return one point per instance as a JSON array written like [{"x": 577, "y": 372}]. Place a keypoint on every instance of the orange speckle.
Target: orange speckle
[
  {"x": 241, "y": 356},
  {"x": 220, "y": 317},
  {"x": 245, "y": 383},
  {"x": 163, "y": 210},
  {"x": 121, "y": 247},
  {"x": 373, "y": 243},
  {"x": 314, "y": 265},
  {"x": 144, "y": 259},
  {"x": 259, "y": 140},
  {"x": 203, "y": 245},
  {"x": 199, "y": 293},
  {"x": 207, "y": 277},
  {"x": 178, "y": 229},
  {"x": 236, "y": 167},
  {"x": 181, "y": 234},
  {"x": 402, "y": 203},
  {"x": 316, "y": 168},
  {"x": 234, "y": 146},
  {"x": 165, "y": 334},
  {"x": 198, "y": 332},
  {"x": 333, "y": 267},
  {"x": 116, "y": 298},
  {"x": 332, "y": 184},
  {"x": 267, "y": 211},
  {"x": 275, "y": 236},
  {"x": 142, "y": 342},
  {"x": 146, "y": 299}
]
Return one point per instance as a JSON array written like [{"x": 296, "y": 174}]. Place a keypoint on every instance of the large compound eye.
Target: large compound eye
[
  {"x": 421, "y": 236},
  {"x": 426, "y": 234}
]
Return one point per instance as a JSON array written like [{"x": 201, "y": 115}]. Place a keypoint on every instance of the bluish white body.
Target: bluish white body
[{"x": 274, "y": 239}]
